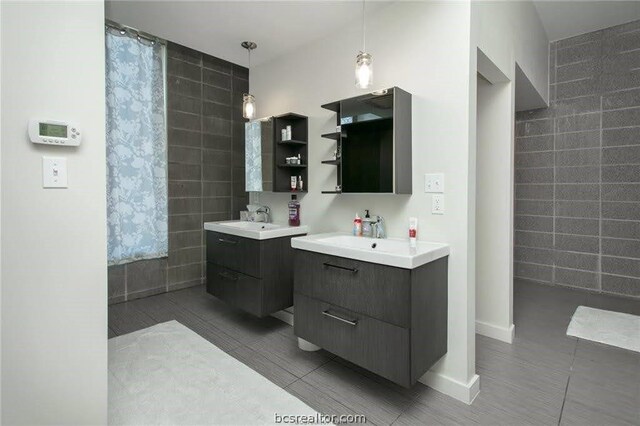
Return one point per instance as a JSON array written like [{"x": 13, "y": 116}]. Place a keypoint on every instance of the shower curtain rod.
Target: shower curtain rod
[{"x": 123, "y": 29}]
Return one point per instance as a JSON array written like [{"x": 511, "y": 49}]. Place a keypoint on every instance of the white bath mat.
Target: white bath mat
[
  {"x": 167, "y": 374},
  {"x": 610, "y": 328}
]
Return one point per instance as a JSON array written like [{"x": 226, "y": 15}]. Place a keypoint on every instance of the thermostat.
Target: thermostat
[{"x": 52, "y": 132}]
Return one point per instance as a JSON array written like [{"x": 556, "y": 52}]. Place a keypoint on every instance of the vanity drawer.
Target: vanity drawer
[
  {"x": 239, "y": 290},
  {"x": 235, "y": 253},
  {"x": 379, "y": 291},
  {"x": 372, "y": 344}
]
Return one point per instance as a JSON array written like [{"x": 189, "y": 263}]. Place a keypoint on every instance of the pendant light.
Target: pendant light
[
  {"x": 248, "y": 100},
  {"x": 364, "y": 67}
]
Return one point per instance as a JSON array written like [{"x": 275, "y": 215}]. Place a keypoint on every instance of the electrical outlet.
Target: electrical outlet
[
  {"x": 437, "y": 204},
  {"x": 434, "y": 183}
]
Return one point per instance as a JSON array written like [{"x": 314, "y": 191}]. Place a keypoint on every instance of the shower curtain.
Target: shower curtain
[{"x": 137, "y": 206}]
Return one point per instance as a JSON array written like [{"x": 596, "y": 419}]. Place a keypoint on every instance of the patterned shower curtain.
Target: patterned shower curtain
[{"x": 136, "y": 149}]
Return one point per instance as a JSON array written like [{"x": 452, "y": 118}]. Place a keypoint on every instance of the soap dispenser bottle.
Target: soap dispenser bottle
[
  {"x": 366, "y": 224},
  {"x": 357, "y": 226}
]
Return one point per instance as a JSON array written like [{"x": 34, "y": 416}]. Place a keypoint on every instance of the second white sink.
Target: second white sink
[
  {"x": 254, "y": 230},
  {"x": 388, "y": 251}
]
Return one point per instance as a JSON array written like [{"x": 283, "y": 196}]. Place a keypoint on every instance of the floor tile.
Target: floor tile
[
  {"x": 358, "y": 393},
  {"x": 284, "y": 351},
  {"x": 262, "y": 365},
  {"x": 125, "y": 318},
  {"x": 317, "y": 400},
  {"x": 613, "y": 303}
]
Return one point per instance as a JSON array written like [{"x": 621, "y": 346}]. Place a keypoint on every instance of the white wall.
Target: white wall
[
  {"x": 423, "y": 48},
  {"x": 494, "y": 202},
  {"x": 502, "y": 34},
  {"x": 54, "y": 275}
]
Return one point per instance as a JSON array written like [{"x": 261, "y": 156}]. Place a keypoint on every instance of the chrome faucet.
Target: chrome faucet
[
  {"x": 267, "y": 213},
  {"x": 378, "y": 228}
]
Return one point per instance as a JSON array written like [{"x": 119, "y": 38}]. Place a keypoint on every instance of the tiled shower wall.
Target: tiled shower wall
[
  {"x": 206, "y": 169},
  {"x": 577, "y": 168}
]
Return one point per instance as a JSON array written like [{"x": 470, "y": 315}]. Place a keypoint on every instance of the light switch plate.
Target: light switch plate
[
  {"x": 437, "y": 204},
  {"x": 434, "y": 183},
  {"x": 54, "y": 172}
]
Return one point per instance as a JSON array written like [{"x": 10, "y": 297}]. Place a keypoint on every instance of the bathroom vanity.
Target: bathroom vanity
[
  {"x": 250, "y": 264},
  {"x": 374, "y": 302}
]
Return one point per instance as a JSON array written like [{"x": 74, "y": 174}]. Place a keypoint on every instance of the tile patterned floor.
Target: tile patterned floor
[{"x": 544, "y": 378}]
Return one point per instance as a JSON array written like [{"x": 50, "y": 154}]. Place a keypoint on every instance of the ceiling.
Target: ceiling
[
  {"x": 562, "y": 19},
  {"x": 218, "y": 27}
]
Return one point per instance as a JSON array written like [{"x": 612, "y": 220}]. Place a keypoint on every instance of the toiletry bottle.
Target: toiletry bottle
[
  {"x": 300, "y": 183},
  {"x": 283, "y": 135},
  {"x": 294, "y": 211},
  {"x": 299, "y": 159},
  {"x": 294, "y": 183},
  {"x": 413, "y": 231},
  {"x": 357, "y": 226},
  {"x": 288, "y": 133},
  {"x": 366, "y": 224}
]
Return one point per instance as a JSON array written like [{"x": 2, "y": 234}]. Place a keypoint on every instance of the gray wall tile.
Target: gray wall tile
[
  {"x": 621, "y": 248},
  {"x": 593, "y": 195},
  {"x": 622, "y": 211},
  {"x": 179, "y": 68},
  {"x": 573, "y": 260},
  {"x": 533, "y": 255},
  {"x": 574, "y": 278},
  {"x": 620, "y": 266},
  {"x": 536, "y": 208},
  {"x": 534, "y": 223},
  {"x": 534, "y": 143},
  {"x": 116, "y": 283},
  {"x": 185, "y": 155},
  {"x": 578, "y": 123},
  {"x": 533, "y": 272},
  {"x": 621, "y": 229},
  {"x": 185, "y": 239},
  {"x": 577, "y": 192},
  {"x": 621, "y": 285},
  {"x": 146, "y": 275},
  {"x": 584, "y": 174},
  {"x": 578, "y": 157},
  {"x": 621, "y": 192},
  {"x": 577, "y": 226},
  {"x": 533, "y": 192},
  {"x": 577, "y": 243},
  {"x": 588, "y": 139},
  {"x": 621, "y": 137}
]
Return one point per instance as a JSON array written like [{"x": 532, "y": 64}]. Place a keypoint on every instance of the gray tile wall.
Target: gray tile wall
[
  {"x": 577, "y": 168},
  {"x": 206, "y": 169}
]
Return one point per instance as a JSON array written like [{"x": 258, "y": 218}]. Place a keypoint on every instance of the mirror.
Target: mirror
[{"x": 259, "y": 155}]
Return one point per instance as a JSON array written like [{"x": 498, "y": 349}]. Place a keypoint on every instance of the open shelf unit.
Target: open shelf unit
[
  {"x": 297, "y": 145},
  {"x": 336, "y": 136}
]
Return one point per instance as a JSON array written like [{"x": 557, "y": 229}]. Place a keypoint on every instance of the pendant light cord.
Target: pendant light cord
[{"x": 364, "y": 45}]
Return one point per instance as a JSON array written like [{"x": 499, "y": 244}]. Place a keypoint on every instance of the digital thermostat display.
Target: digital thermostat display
[{"x": 54, "y": 132}]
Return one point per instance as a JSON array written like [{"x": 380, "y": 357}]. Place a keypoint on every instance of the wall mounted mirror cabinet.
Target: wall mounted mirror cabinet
[
  {"x": 373, "y": 143},
  {"x": 276, "y": 151}
]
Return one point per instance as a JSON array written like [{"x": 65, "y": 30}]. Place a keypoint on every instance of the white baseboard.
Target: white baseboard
[
  {"x": 284, "y": 316},
  {"x": 465, "y": 392},
  {"x": 496, "y": 332}
]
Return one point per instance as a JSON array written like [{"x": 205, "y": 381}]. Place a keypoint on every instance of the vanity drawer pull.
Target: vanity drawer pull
[
  {"x": 227, "y": 276},
  {"x": 330, "y": 315},
  {"x": 222, "y": 240},
  {"x": 344, "y": 268}
]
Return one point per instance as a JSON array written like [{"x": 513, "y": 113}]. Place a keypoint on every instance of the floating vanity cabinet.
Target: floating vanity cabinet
[
  {"x": 374, "y": 142},
  {"x": 255, "y": 275},
  {"x": 389, "y": 320}
]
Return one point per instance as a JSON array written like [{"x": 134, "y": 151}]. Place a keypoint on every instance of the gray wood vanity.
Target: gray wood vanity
[
  {"x": 251, "y": 269},
  {"x": 389, "y": 320}
]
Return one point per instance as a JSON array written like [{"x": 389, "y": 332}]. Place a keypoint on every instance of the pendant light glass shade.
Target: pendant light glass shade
[
  {"x": 248, "y": 106},
  {"x": 364, "y": 70}
]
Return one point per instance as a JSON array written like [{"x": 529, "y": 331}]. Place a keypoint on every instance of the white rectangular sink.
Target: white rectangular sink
[
  {"x": 388, "y": 251},
  {"x": 254, "y": 230}
]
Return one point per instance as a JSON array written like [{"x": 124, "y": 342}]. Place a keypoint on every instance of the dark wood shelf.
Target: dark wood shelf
[
  {"x": 304, "y": 191},
  {"x": 332, "y": 192},
  {"x": 293, "y": 166},
  {"x": 332, "y": 106},
  {"x": 335, "y": 135},
  {"x": 333, "y": 162},
  {"x": 291, "y": 116},
  {"x": 292, "y": 142}
]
